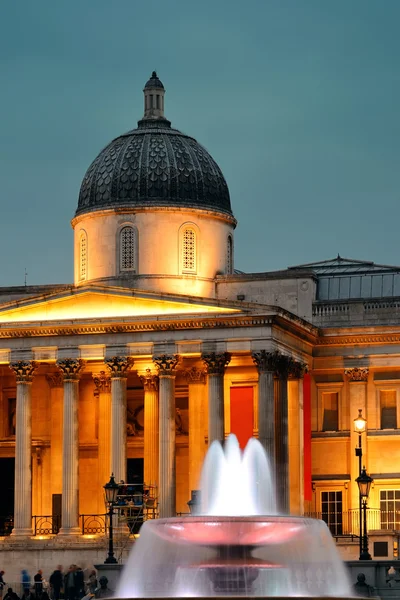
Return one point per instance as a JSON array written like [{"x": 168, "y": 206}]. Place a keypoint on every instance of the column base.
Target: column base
[
  {"x": 69, "y": 531},
  {"x": 22, "y": 532}
]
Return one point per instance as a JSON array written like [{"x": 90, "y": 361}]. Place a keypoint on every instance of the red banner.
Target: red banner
[{"x": 242, "y": 414}]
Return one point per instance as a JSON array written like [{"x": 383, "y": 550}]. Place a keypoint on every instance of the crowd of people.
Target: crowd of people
[{"x": 71, "y": 585}]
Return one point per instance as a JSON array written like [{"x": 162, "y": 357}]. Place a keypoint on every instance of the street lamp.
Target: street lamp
[
  {"x": 364, "y": 482},
  {"x": 360, "y": 426},
  {"x": 111, "y": 492}
]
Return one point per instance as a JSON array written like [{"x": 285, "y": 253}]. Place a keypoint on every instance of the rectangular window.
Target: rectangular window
[
  {"x": 332, "y": 511},
  {"x": 330, "y": 403},
  {"x": 390, "y": 509},
  {"x": 388, "y": 402}
]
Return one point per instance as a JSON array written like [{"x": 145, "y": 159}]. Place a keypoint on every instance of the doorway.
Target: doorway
[{"x": 7, "y": 470}]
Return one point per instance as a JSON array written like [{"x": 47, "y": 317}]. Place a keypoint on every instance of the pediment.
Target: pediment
[{"x": 103, "y": 303}]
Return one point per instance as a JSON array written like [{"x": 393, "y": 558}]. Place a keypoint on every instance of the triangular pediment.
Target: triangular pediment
[{"x": 102, "y": 303}]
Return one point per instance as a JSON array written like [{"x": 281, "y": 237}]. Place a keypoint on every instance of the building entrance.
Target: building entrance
[{"x": 7, "y": 470}]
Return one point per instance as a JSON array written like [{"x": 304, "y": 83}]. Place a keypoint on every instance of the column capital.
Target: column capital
[
  {"x": 166, "y": 364},
  {"x": 24, "y": 370},
  {"x": 119, "y": 366},
  {"x": 195, "y": 375},
  {"x": 298, "y": 369},
  {"x": 102, "y": 381},
  {"x": 214, "y": 363},
  {"x": 264, "y": 361},
  {"x": 149, "y": 380},
  {"x": 357, "y": 374},
  {"x": 55, "y": 380},
  {"x": 71, "y": 368}
]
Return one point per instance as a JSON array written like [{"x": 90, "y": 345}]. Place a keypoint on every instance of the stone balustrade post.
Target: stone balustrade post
[
  {"x": 215, "y": 365},
  {"x": 166, "y": 366},
  {"x": 71, "y": 371},
  {"x": 24, "y": 371}
]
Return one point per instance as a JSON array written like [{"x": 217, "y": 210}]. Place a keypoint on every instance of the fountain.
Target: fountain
[{"x": 237, "y": 545}]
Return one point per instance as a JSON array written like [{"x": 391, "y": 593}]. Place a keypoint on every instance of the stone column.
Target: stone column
[
  {"x": 55, "y": 381},
  {"x": 265, "y": 364},
  {"x": 196, "y": 379},
  {"x": 296, "y": 439},
  {"x": 118, "y": 367},
  {"x": 166, "y": 366},
  {"x": 151, "y": 427},
  {"x": 285, "y": 366},
  {"x": 102, "y": 382},
  {"x": 358, "y": 378},
  {"x": 215, "y": 365},
  {"x": 71, "y": 370},
  {"x": 23, "y": 448}
]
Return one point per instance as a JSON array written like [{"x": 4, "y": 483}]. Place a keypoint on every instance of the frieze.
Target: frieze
[
  {"x": 149, "y": 380},
  {"x": 102, "y": 382},
  {"x": 357, "y": 373},
  {"x": 119, "y": 365},
  {"x": 166, "y": 364},
  {"x": 71, "y": 368},
  {"x": 214, "y": 363},
  {"x": 24, "y": 370}
]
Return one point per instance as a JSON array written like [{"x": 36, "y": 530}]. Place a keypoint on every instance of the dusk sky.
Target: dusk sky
[{"x": 297, "y": 100}]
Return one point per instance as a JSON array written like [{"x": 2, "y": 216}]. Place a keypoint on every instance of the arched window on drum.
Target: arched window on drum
[
  {"x": 189, "y": 250},
  {"x": 82, "y": 256},
  {"x": 229, "y": 255},
  {"x": 128, "y": 249}
]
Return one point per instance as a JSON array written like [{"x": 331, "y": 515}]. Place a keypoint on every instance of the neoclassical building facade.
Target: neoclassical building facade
[{"x": 160, "y": 347}]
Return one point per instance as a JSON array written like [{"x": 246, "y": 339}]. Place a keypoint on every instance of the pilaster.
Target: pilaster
[
  {"x": 151, "y": 427},
  {"x": 196, "y": 379},
  {"x": 102, "y": 382},
  {"x": 56, "y": 382},
  {"x": 358, "y": 379}
]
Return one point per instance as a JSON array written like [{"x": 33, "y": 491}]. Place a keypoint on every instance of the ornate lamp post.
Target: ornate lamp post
[
  {"x": 111, "y": 492},
  {"x": 360, "y": 426},
  {"x": 364, "y": 482}
]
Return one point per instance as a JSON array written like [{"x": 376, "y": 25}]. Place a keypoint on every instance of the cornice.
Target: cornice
[
  {"x": 351, "y": 340},
  {"x": 45, "y": 330}
]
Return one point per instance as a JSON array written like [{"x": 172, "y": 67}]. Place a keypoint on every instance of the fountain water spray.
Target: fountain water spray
[{"x": 238, "y": 545}]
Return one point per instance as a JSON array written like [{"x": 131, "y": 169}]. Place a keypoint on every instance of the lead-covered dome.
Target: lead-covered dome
[{"x": 154, "y": 166}]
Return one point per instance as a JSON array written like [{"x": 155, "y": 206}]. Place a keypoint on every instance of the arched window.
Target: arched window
[
  {"x": 127, "y": 249},
  {"x": 189, "y": 257},
  {"x": 229, "y": 256},
  {"x": 82, "y": 256}
]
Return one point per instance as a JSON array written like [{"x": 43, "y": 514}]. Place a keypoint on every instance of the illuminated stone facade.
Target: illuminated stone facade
[{"x": 160, "y": 348}]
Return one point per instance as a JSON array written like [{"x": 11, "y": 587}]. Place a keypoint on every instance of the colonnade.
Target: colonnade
[{"x": 273, "y": 368}]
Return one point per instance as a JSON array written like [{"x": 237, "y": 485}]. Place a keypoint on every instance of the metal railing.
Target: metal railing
[
  {"x": 46, "y": 524},
  {"x": 347, "y": 523},
  {"x": 93, "y": 524}
]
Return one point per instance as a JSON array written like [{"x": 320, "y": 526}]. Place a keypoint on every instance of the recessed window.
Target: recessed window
[
  {"x": 330, "y": 402},
  {"x": 332, "y": 511},
  {"x": 388, "y": 402},
  {"x": 229, "y": 256},
  {"x": 82, "y": 256},
  {"x": 189, "y": 250},
  {"x": 390, "y": 509},
  {"x": 128, "y": 249}
]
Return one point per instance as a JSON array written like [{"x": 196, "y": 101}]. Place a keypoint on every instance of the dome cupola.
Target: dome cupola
[{"x": 154, "y": 178}]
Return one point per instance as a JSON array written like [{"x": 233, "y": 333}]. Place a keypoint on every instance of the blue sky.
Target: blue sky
[{"x": 297, "y": 100}]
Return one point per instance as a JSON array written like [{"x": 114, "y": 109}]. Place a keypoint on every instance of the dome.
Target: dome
[{"x": 154, "y": 166}]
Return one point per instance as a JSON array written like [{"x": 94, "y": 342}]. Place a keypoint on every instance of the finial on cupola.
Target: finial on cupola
[{"x": 154, "y": 98}]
